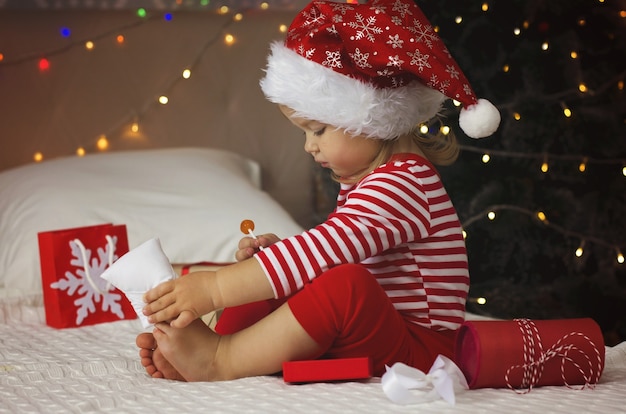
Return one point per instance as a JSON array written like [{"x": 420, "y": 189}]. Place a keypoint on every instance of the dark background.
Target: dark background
[{"x": 521, "y": 265}]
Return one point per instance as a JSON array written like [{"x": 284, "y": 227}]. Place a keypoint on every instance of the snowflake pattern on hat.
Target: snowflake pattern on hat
[
  {"x": 388, "y": 43},
  {"x": 376, "y": 69}
]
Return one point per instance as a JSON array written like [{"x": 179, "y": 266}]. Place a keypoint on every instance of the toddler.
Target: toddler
[{"x": 386, "y": 275}]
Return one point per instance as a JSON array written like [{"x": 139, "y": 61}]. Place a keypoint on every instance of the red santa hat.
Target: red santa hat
[{"x": 376, "y": 69}]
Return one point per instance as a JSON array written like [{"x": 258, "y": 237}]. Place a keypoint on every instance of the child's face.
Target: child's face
[{"x": 346, "y": 155}]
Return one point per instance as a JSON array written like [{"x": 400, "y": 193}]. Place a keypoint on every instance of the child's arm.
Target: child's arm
[{"x": 187, "y": 298}]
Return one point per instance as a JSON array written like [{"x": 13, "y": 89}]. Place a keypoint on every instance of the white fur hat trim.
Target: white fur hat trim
[{"x": 318, "y": 93}]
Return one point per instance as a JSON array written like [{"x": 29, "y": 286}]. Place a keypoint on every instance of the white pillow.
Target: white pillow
[{"x": 192, "y": 199}]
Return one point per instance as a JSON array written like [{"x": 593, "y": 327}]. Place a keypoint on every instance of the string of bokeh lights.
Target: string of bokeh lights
[{"x": 45, "y": 59}]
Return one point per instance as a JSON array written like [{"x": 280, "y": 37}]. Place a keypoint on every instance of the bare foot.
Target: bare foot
[
  {"x": 153, "y": 360},
  {"x": 197, "y": 353},
  {"x": 191, "y": 351}
]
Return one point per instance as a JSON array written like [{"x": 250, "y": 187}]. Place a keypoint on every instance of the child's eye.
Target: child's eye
[{"x": 319, "y": 132}]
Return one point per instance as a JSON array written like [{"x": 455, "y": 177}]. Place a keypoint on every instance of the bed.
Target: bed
[
  {"x": 96, "y": 368},
  {"x": 192, "y": 174}
]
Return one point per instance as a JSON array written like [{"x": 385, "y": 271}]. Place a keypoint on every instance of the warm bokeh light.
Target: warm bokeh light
[
  {"x": 103, "y": 143},
  {"x": 574, "y": 51}
]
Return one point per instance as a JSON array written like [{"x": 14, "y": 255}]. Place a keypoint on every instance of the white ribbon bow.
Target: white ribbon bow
[{"x": 442, "y": 381}]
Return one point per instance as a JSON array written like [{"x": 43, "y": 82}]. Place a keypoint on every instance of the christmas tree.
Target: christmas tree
[{"x": 543, "y": 201}]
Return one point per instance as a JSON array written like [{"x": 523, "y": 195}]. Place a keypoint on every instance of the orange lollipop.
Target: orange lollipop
[{"x": 246, "y": 227}]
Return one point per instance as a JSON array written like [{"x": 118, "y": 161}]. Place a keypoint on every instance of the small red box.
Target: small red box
[{"x": 323, "y": 370}]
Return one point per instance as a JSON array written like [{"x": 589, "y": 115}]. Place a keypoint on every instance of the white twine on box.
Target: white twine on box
[{"x": 535, "y": 358}]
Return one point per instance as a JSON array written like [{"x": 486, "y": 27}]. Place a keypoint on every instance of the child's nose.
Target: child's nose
[{"x": 310, "y": 144}]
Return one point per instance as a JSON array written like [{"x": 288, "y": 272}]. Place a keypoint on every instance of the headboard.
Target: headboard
[{"x": 85, "y": 94}]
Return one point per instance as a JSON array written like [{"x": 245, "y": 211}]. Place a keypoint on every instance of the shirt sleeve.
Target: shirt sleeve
[{"x": 387, "y": 208}]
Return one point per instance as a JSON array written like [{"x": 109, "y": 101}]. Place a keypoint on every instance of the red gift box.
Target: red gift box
[
  {"x": 72, "y": 261},
  {"x": 327, "y": 370},
  {"x": 523, "y": 353}
]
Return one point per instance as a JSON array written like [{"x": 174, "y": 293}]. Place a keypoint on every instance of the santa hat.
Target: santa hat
[{"x": 375, "y": 69}]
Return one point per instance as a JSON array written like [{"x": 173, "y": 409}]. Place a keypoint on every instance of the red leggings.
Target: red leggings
[{"x": 348, "y": 314}]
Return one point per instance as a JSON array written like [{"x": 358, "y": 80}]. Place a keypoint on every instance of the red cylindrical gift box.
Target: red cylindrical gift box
[{"x": 522, "y": 353}]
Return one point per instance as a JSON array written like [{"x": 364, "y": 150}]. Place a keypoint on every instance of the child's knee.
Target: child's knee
[{"x": 350, "y": 290}]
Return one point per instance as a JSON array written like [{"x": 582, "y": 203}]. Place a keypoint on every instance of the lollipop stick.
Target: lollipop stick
[{"x": 255, "y": 238}]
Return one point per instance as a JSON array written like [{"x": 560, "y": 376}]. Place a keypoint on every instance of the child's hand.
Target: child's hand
[
  {"x": 181, "y": 300},
  {"x": 248, "y": 246}
]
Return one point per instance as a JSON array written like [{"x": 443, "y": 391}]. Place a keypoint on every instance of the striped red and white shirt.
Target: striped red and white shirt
[{"x": 400, "y": 224}]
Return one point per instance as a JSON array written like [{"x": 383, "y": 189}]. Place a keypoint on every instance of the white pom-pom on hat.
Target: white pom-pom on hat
[{"x": 480, "y": 119}]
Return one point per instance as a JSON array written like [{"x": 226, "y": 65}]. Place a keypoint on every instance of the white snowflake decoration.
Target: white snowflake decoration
[
  {"x": 395, "y": 61},
  {"x": 419, "y": 59},
  {"x": 360, "y": 59},
  {"x": 341, "y": 8},
  {"x": 401, "y": 8},
  {"x": 365, "y": 28},
  {"x": 424, "y": 33},
  {"x": 333, "y": 60},
  {"x": 96, "y": 290},
  {"x": 395, "y": 41},
  {"x": 452, "y": 70}
]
